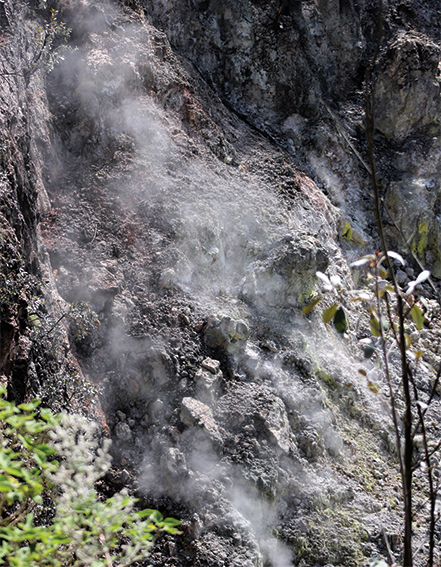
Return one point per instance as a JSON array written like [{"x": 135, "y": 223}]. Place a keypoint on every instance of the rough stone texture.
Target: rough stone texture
[
  {"x": 123, "y": 431},
  {"x": 195, "y": 413},
  {"x": 207, "y": 158},
  {"x": 286, "y": 277},
  {"x": 412, "y": 206},
  {"x": 211, "y": 365},
  {"x": 408, "y": 87},
  {"x": 276, "y": 423},
  {"x": 226, "y": 334},
  {"x": 25, "y": 271},
  {"x": 207, "y": 385},
  {"x": 173, "y": 465},
  {"x": 268, "y": 71}
]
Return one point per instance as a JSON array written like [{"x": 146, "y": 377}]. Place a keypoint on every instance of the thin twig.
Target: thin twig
[
  {"x": 406, "y": 461},
  {"x": 432, "y": 495},
  {"x": 346, "y": 137}
]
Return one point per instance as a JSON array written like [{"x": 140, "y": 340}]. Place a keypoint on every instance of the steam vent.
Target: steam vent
[{"x": 196, "y": 197}]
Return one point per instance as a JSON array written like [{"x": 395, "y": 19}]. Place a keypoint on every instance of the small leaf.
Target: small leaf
[
  {"x": 352, "y": 235},
  {"x": 368, "y": 351},
  {"x": 34, "y": 321},
  {"x": 347, "y": 231},
  {"x": 411, "y": 287},
  {"x": 324, "y": 278},
  {"x": 156, "y": 516},
  {"x": 340, "y": 322},
  {"x": 145, "y": 513},
  {"x": 311, "y": 305},
  {"x": 362, "y": 371},
  {"x": 396, "y": 256},
  {"x": 170, "y": 530},
  {"x": 329, "y": 313},
  {"x": 417, "y": 316},
  {"x": 373, "y": 387},
  {"x": 375, "y": 325},
  {"x": 45, "y": 449},
  {"x": 172, "y": 522},
  {"x": 407, "y": 341},
  {"x": 358, "y": 238},
  {"x": 363, "y": 261},
  {"x": 363, "y": 296},
  {"x": 29, "y": 407},
  {"x": 425, "y": 274},
  {"x": 336, "y": 281}
]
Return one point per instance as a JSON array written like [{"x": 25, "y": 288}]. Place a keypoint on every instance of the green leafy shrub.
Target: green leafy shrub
[
  {"x": 50, "y": 39},
  {"x": 61, "y": 455}
]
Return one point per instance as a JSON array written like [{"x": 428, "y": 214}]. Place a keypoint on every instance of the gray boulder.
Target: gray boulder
[{"x": 226, "y": 334}]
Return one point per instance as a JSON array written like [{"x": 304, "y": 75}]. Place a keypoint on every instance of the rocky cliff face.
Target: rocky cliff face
[
  {"x": 183, "y": 173},
  {"x": 25, "y": 272}
]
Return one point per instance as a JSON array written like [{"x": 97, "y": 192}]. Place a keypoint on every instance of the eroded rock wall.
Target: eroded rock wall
[
  {"x": 202, "y": 162},
  {"x": 281, "y": 69},
  {"x": 23, "y": 198}
]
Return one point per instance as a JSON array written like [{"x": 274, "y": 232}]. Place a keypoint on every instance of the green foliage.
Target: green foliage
[
  {"x": 311, "y": 305},
  {"x": 329, "y": 313},
  {"x": 350, "y": 234},
  {"x": 417, "y": 316},
  {"x": 61, "y": 455},
  {"x": 48, "y": 42},
  {"x": 334, "y": 312},
  {"x": 23, "y": 459},
  {"x": 50, "y": 39},
  {"x": 382, "y": 299},
  {"x": 380, "y": 291},
  {"x": 379, "y": 300},
  {"x": 340, "y": 322}
]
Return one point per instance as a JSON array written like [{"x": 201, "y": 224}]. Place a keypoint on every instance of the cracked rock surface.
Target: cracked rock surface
[{"x": 185, "y": 171}]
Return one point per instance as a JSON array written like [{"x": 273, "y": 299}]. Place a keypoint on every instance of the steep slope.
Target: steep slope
[
  {"x": 200, "y": 166},
  {"x": 25, "y": 272}
]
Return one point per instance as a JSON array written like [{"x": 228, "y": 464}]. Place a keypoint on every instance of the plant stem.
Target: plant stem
[
  {"x": 432, "y": 491},
  {"x": 406, "y": 463}
]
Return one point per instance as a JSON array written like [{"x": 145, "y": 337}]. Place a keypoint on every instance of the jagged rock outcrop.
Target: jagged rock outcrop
[
  {"x": 25, "y": 273},
  {"x": 272, "y": 71},
  {"x": 407, "y": 89}
]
